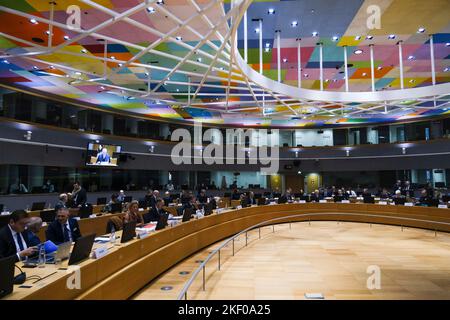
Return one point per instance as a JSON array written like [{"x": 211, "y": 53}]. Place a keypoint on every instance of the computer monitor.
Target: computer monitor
[
  {"x": 162, "y": 222},
  {"x": 143, "y": 203},
  {"x": 37, "y": 206},
  {"x": 101, "y": 201},
  {"x": 261, "y": 201},
  {"x": 82, "y": 249},
  {"x": 127, "y": 199},
  {"x": 48, "y": 215},
  {"x": 208, "y": 208},
  {"x": 7, "y": 275},
  {"x": 116, "y": 207},
  {"x": 369, "y": 200},
  {"x": 187, "y": 214},
  {"x": 128, "y": 232},
  {"x": 399, "y": 201},
  {"x": 85, "y": 211}
]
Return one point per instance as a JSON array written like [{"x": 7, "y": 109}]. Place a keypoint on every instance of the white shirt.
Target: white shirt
[
  {"x": 67, "y": 226},
  {"x": 14, "y": 235}
]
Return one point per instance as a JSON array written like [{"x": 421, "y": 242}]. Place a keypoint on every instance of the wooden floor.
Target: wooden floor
[{"x": 325, "y": 257}]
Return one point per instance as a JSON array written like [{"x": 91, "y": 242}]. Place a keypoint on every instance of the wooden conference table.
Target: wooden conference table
[{"x": 129, "y": 267}]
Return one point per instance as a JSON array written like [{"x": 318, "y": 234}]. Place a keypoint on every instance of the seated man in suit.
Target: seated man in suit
[
  {"x": 158, "y": 211},
  {"x": 103, "y": 156},
  {"x": 315, "y": 197},
  {"x": 202, "y": 198},
  {"x": 64, "y": 228},
  {"x": 14, "y": 239},
  {"x": 33, "y": 226}
]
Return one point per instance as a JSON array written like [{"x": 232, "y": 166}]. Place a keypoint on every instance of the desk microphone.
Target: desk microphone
[{"x": 20, "y": 278}]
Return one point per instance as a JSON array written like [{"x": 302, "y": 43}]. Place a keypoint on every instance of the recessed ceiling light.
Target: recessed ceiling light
[
  {"x": 35, "y": 68},
  {"x": 66, "y": 38},
  {"x": 113, "y": 58},
  {"x": 179, "y": 38},
  {"x": 335, "y": 38},
  {"x": 379, "y": 68},
  {"x": 266, "y": 49},
  {"x": 358, "y": 38},
  {"x": 160, "y": 1},
  {"x": 178, "y": 90},
  {"x": 150, "y": 10},
  {"x": 102, "y": 87},
  {"x": 358, "y": 51},
  {"x": 52, "y": 67},
  {"x": 447, "y": 44},
  {"x": 412, "y": 81},
  {"x": 120, "y": 64},
  {"x": 446, "y": 69},
  {"x": 315, "y": 34},
  {"x": 391, "y": 36},
  {"x": 364, "y": 74},
  {"x": 33, "y": 21},
  {"x": 47, "y": 32},
  {"x": 294, "y": 23},
  {"x": 267, "y": 44},
  {"x": 421, "y": 30},
  {"x": 285, "y": 60},
  {"x": 256, "y": 30},
  {"x": 78, "y": 73},
  {"x": 306, "y": 75},
  {"x": 83, "y": 50},
  {"x": 5, "y": 61},
  {"x": 199, "y": 59},
  {"x": 369, "y": 37},
  {"x": 271, "y": 11},
  {"x": 222, "y": 68},
  {"x": 411, "y": 58}
]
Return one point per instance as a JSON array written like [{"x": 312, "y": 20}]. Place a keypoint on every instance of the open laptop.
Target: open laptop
[
  {"x": 63, "y": 253},
  {"x": 82, "y": 249},
  {"x": 7, "y": 275},
  {"x": 85, "y": 211},
  {"x": 187, "y": 214},
  {"x": 128, "y": 232},
  {"x": 37, "y": 206},
  {"x": 162, "y": 222}
]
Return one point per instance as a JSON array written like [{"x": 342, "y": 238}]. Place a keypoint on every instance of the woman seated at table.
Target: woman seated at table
[{"x": 133, "y": 214}]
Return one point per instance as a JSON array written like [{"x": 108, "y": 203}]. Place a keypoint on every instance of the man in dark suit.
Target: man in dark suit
[
  {"x": 78, "y": 194},
  {"x": 315, "y": 197},
  {"x": 103, "y": 156},
  {"x": 63, "y": 229},
  {"x": 156, "y": 213},
  {"x": 14, "y": 239}
]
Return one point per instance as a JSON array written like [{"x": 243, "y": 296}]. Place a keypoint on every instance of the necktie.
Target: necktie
[
  {"x": 19, "y": 241},
  {"x": 66, "y": 233}
]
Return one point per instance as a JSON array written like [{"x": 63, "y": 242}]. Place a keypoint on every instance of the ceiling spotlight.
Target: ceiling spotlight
[
  {"x": 83, "y": 50},
  {"x": 447, "y": 44},
  {"x": 369, "y": 37},
  {"x": 358, "y": 51},
  {"x": 364, "y": 74},
  {"x": 285, "y": 60},
  {"x": 178, "y": 90},
  {"x": 421, "y": 30},
  {"x": 412, "y": 81},
  {"x": 120, "y": 64},
  {"x": 66, "y": 37},
  {"x": 256, "y": 30},
  {"x": 160, "y": 1},
  {"x": 446, "y": 69},
  {"x": 179, "y": 38},
  {"x": 411, "y": 58},
  {"x": 150, "y": 10},
  {"x": 306, "y": 75},
  {"x": 271, "y": 11},
  {"x": 267, "y": 44},
  {"x": 113, "y": 58},
  {"x": 222, "y": 68},
  {"x": 391, "y": 36},
  {"x": 52, "y": 67},
  {"x": 379, "y": 67},
  {"x": 78, "y": 73},
  {"x": 266, "y": 49},
  {"x": 199, "y": 59},
  {"x": 102, "y": 87},
  {"x": 35, "y": 68},
  {"x": 335, "y": 38},
  {"x": 358, "y": 38},
  {"x": 47, "y": 32},
  {"x": 315, "y": 34},
  {"x": 294, "y": 23},
  {"x": 5, "y": 61},
  {"x": 33, "y": 21}
]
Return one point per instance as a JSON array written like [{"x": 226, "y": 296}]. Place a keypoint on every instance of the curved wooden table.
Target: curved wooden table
[{"x": 129, "y": 267}]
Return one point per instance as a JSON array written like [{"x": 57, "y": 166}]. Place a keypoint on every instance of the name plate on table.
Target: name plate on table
[
  {"x": 92, "y": 216},
  {"x": 239, "y": 207},
  {"x": 142, "y": 234},
  {"x": 100, "y": 252},
  {"x": 141, "y": 209},
  {"x": 219, "y": 211},
  {"x": 272, "y": 203},
  {"x": 302, "y": 201},
  {"x": 409, "y": 204},
  {"x": 383, "y": 203},
  {"x": 345, "y": 201},
  {"x": 442, "y": 206},
  {"x": 322, "y": 201},
  {"x": 5, "y": 213},
  {"x": 377, "y": 199}
]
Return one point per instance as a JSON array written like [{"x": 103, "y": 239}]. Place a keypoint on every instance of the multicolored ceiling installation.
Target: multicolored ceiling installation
[{"x": 171, "y": 59}]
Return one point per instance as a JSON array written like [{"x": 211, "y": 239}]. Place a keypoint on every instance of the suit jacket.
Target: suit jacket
[
  {"x": 7, "y": 244},
  {"x": 55, "y": 233},
  {"x": 154, "y": 215},
  {"x": 80, "y": 197}
]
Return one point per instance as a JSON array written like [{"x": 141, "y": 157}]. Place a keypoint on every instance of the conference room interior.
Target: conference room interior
[{"x": 99, "y": 200}]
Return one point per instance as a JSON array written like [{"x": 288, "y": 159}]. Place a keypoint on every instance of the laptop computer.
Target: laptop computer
[
  {"x": 85, "y": 211},
  {"x": 7, "y": 275},
  {"x": 162, "y": 222},
  {"x": 48, "y": 215},
  {"x": 82, "y": 249},
  {"x": 62, "y": 253},
  {"x": 37, "y": 206},
  {"x": 116, "y": 207},
  {"x": 128, "y": 232},
  {"x": 208, "y": 209},
  {"x": 187, "y": 214}
]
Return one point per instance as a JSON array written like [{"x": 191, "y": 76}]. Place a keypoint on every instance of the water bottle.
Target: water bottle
[
  {"x": 41, "y": 258},
  {"x": 113, "y": 235}
]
